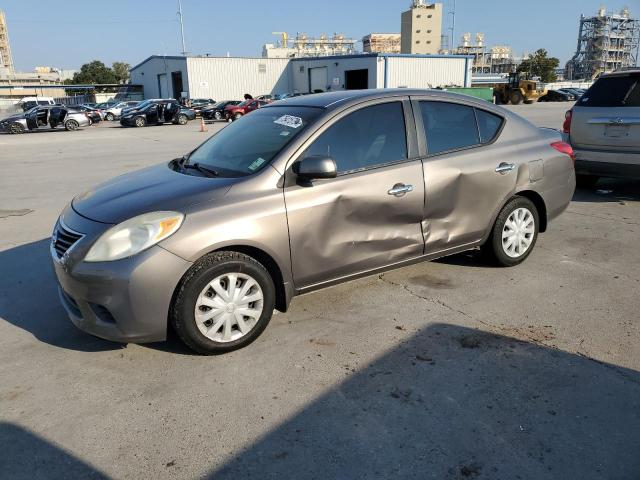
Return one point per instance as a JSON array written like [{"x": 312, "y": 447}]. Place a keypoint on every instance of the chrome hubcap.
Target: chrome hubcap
[
  {"x": 229, "y": 307},
  {"x": 518, "y": 231}
]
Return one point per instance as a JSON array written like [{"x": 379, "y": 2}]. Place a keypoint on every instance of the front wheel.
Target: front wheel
[
  {"x": 16, "y": 128},
  {"x": 237, "y": 116},
  {"x": 71, "y": 125},
  {"x": 223, "y": 303},
  {"x": 217, "y": 116},
  {"x": 182, "y": 119},
  {"x": 140, "y": 122},
  {"x": 514, "y": 233},
  {"x": 110, "y": 117},
  {"x": 516, "y": 97}
]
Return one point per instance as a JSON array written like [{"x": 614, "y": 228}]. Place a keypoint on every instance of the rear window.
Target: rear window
[
  {"x": 614, "y": 91},
  {"x": 488, "y": 125}
]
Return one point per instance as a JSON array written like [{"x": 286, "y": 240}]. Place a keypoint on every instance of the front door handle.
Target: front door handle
[
  {"x": 505, "y": 168},
  {"x": 400, "y": 189}
]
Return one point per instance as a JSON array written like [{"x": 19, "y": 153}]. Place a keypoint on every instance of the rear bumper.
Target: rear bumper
[{"x": 607, "y": 164}]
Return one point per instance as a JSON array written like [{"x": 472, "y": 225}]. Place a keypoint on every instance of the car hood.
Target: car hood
[
  {"x": 156, "y": 188},
  {"x": 12, "y": 118}
]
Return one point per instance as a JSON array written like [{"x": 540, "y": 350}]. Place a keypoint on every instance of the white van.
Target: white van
[{"x": 28, "y": 103}]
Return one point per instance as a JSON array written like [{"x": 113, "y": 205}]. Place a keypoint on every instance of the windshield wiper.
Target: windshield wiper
[{"x": 209, "y": 172}]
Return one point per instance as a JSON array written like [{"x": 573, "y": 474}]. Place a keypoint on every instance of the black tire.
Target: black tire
[
  {"x": 237, "y": 116},
  {"x": 494, "y": 246},
  {"x": 516, "y": 97},
  {"x": 140, "y": 122},
  {"x": 16, "y": 128},
  {"x": 110, "y": 117},
  {"x": 194, "y": 282},
  {"x": 586, "y": 181},
  {"x": 71, "y": 125},
  {"x": 217, "y": 116},
  {"x": 182, "y": 119}
]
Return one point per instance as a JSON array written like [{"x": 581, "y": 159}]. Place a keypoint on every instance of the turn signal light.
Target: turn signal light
[{"x": 564, "y": 147}]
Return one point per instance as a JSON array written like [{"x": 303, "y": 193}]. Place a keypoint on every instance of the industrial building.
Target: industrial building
[
  {"x": 6, "y": 60},
  {"x": 305, "y": 46},
  {"x": 497, "y": 59},
  {"x": 225, "y": 78},
  {"x": 381, "y": 43},
  {"x": 606, "y": 42},
  {"x": 421, "y": 28}
]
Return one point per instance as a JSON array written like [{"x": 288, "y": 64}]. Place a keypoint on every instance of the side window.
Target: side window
[
  {"x": 366, "y": 138},
  {"x": 448, "y": 126},
  {"x": 488, "y": 124}
]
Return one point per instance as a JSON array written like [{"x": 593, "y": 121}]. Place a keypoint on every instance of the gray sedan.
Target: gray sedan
[
  {"x": 42, "y": 116},
  {"x": 299, "y": 195}
]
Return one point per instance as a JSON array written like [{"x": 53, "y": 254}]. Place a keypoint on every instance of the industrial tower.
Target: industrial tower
[
  {"x": 6, "y": 61},
  {"x": 606, "y": 42}
]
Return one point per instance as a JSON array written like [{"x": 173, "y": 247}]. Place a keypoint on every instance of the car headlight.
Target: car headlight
[{"x": 134, "y": 235}]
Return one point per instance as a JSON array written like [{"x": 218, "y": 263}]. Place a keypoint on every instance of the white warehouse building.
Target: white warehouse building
[{"x": 226, "y": 78}]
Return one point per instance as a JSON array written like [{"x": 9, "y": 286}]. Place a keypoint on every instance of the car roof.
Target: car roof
[
  {"x": 627, "y": 71},
  {"x": 341, "y": 98}
]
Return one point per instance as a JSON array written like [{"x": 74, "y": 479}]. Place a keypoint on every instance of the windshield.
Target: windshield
[
  {"x": 142, "y": 104},
  {"x": 246, "y": 146},
  {"x": 242, "y": 104}
]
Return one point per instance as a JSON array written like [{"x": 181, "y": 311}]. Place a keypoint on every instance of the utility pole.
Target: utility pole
[
  {"x": 453, "y": 25},
  {"x": 184, "y": 48}
]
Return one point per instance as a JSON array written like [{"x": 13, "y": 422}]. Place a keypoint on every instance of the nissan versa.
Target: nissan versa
[{"x": 302, "y": 194}]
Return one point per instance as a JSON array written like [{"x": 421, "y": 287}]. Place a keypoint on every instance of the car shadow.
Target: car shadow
[
  {"x": 29, "y": 299},
  {"x": 610, "y": 190},
  {"x": 457, "y": 403},
  {"x": 469, "y": 258},
  {"x": 25, "y": 455}
]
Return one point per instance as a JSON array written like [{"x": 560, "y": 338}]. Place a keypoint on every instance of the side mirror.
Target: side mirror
[{"x": 315, "y": 167}]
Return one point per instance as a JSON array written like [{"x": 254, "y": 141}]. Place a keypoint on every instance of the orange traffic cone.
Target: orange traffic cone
[{"x": 203, "y": 127}]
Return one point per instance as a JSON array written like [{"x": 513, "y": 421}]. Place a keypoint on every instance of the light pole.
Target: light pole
[
  {"x": 184, "y": 48},
  {"x": 453, "y": 25}
]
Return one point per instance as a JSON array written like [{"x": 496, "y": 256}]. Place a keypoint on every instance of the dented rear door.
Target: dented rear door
[
  {"x": 370, "y": 215},
  {"x": 467, "y": 174}
]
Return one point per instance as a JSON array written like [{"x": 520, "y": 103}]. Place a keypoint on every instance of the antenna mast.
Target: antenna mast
[{"x": 184, "y": 48}]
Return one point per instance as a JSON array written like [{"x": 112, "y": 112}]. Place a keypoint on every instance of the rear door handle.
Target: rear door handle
[
  {"x": 400, "y": 189},
  {"x": 505, "y": 168}
]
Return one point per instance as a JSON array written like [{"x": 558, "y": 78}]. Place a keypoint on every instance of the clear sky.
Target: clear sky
[{"x": 68, "y": 33}]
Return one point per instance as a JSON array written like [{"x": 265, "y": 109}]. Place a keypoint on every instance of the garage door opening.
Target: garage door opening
[
  {"x": 176, "y": 83},
  {"x": 356, "y": 79}
]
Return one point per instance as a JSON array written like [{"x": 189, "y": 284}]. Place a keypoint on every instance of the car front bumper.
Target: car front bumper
[{"x": 125, "y": 300}]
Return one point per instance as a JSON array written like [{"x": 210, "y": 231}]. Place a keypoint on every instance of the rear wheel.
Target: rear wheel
[
  {"x": 182, "y": 119},
  {"x": 140, "y": 122},
  {"x": 223, "y": 303},
  {"x": 16, "y": 128},
  {"x": 586, "y": 181},
  {"x": 514, "y": 233},
  {"x": 516, "y": 97},
  {"x": 217, "y": 116},
  {"x": 71, "y": 125}
]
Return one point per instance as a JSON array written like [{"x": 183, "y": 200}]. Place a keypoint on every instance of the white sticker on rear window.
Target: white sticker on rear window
[{"x": 289, "y": 121}]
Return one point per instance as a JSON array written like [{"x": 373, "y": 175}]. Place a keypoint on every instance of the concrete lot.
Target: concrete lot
[{"x": 451, "y": 369}]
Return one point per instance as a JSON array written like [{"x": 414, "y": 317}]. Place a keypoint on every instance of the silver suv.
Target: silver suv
[{"x": 604, "y": 128}]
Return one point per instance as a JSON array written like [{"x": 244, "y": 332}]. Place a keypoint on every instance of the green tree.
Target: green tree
[
  {"x": 540, "y": 65},
  {"x": 94, "y": 72},
  {"x": 121, "y": 71}
]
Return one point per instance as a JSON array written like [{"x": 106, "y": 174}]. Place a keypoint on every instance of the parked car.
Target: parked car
[
  {"x": 106, "y": 105},
  {"x": 197, "y": 104},
  {"x": 157, "y": 113},
  {"x": 557, "y": 96},
  {"x": 576, "y": 92},
  {"x": 95, "y": 116},
  {"x": 114, "y": 112},
  {"x": 303, "y": 194},
  {"x": 234, "y": 112},
  {"x": 216, "y": 112},
  {"x": 284, "y": 96},
  {"x": 603, "y": 127},
  {"x": 51, "y": 115}
]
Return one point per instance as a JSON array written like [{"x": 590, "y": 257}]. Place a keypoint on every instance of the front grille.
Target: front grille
[{"x": 64, "y": 239}]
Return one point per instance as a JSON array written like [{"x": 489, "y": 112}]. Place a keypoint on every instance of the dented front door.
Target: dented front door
[{"x": 352, "y": 223}]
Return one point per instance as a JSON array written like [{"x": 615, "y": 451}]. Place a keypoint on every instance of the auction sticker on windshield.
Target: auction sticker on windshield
[{"x": 289, "y": 121}]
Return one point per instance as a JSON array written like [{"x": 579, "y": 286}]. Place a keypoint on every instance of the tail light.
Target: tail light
[
  {"x": 566, "y": 126},
  {"x": 564, "y": 147}
]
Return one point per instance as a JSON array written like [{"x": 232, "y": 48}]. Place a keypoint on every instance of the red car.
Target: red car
[{"x": 234, "y": 112}]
